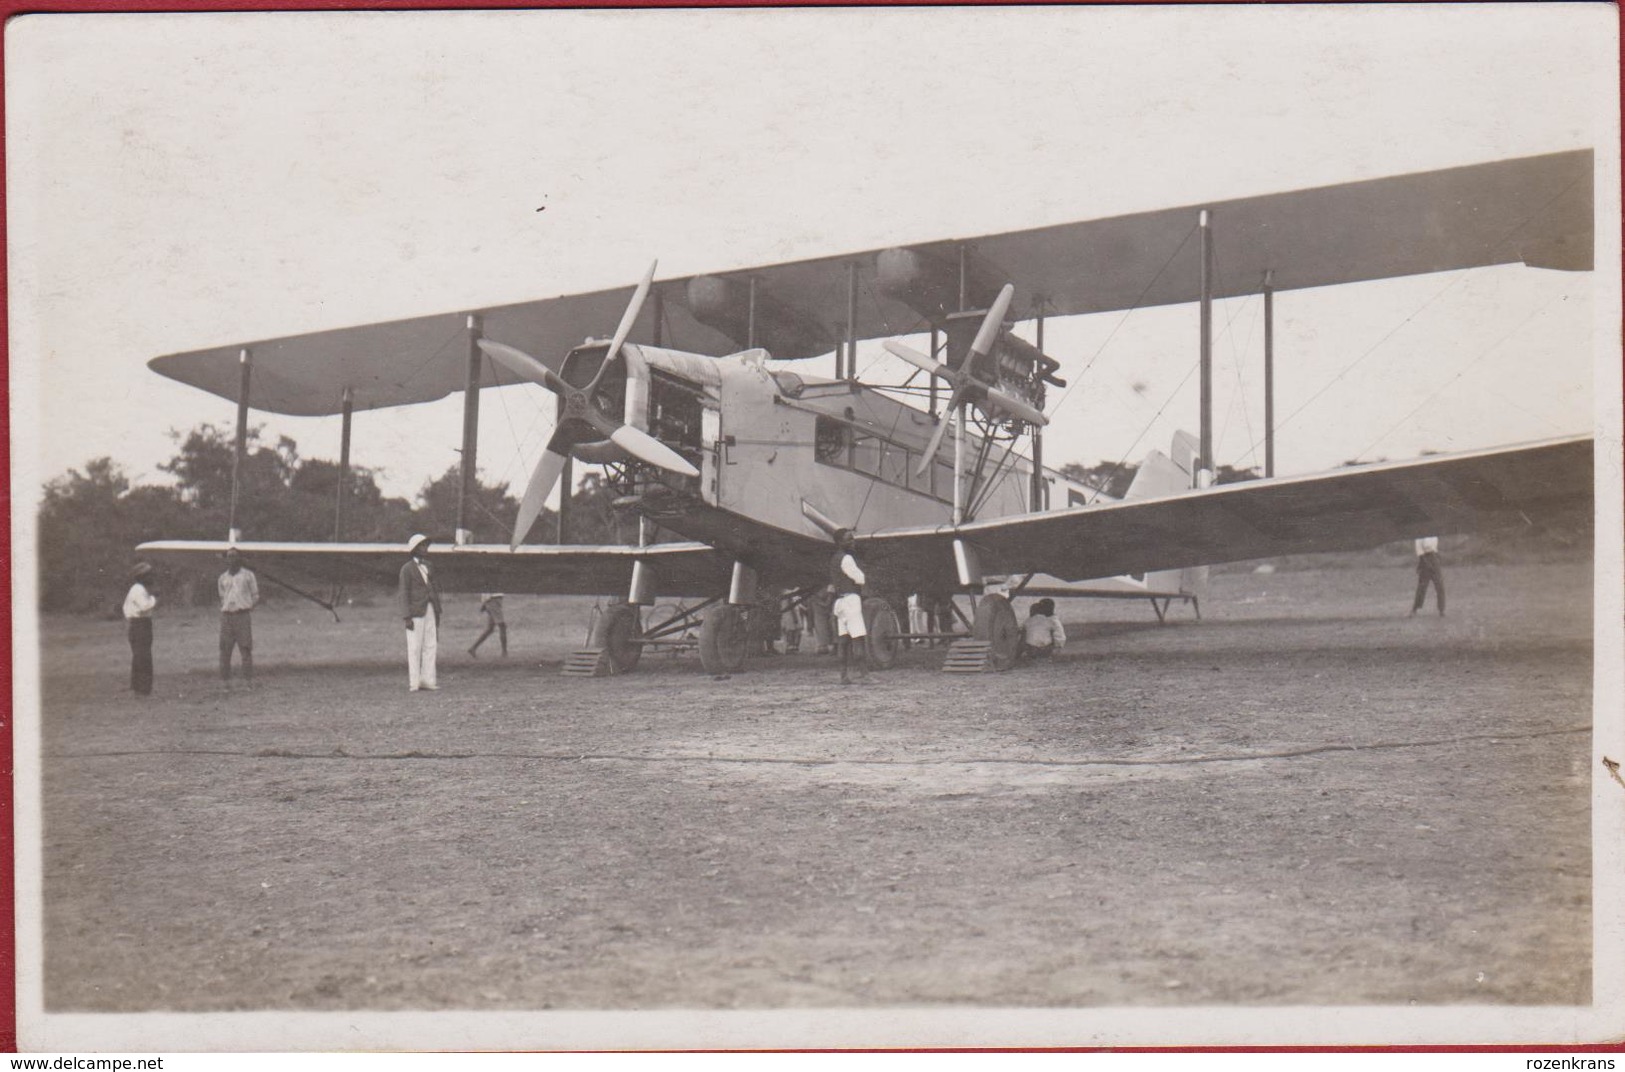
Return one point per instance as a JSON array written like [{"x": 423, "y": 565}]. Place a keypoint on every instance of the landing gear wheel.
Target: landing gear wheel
[
  {"x": 617, "y": 635},
  {"x": 996, "y": 623},
  {"x": 723, "y": 640},
  {"x": 881, "y": 622}
]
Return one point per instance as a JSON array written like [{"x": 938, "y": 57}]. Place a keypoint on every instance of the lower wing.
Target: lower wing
[
  {"x": 680, "y": 569},
  {"x": 1349, "y": 509}
]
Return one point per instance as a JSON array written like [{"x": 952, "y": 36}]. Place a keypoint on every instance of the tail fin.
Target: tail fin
[{"x": 1160, "y": 475}]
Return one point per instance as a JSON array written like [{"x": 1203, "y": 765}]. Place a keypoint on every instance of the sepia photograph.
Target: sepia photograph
[{"x": 808, "y": 528}]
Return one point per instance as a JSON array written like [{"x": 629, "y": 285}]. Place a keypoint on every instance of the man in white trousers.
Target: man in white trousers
[
  {"x": 846, "y": 583},
  {"x": 420, "y": 607}
]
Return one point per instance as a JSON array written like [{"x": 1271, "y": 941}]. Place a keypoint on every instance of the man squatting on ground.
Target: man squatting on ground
[
  {"x": 846, "y": 581},
  {"x": 420, "y": 607},
  {"x": 138, "y": 605},
  {"x": 239, "y": 594},
  {"x": 1041, "y": 634},
  {"x": 1428, "y": 571}
]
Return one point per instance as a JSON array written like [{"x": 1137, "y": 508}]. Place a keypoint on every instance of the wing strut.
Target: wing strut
[
  {"x": 468, "y": 474},
  {"x": 280, "y": 583},
  {"x": 1205, "y": 226},
  {"x": 1269, "y": 374},
  {"x": 233, "y": 533}
]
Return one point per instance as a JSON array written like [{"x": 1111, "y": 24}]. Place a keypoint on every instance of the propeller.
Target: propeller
[
  {"x": 966, "y": 385},
  {"x": 580, "y": 419},
  {"x": 942, "y": 429}
]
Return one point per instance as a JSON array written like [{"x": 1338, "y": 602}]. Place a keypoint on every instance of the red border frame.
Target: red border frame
[{"x": 8, "y": 920}]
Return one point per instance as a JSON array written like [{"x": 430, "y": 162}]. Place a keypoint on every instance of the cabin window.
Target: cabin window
[
  {"x": 920, "y": 482},
  {"x": 866, "y": 452},
  {"x": 852, "y": 446},
  {"x": 832, "y": 442},
  {"x": 942, "y": 480},
  {"x": 894, "y": 464}
]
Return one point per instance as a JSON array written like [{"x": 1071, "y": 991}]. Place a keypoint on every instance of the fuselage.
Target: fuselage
[{"x": 768, "y": 440}]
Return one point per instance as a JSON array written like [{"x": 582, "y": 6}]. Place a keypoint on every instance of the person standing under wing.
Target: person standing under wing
[
  {"x": 1428, "y": 572},
  {"x": 846, "y": 582},
  {"x": 138, "y": 606},
  {"x": 420, "y": 607},
  {"x": 491, "y": 607},
  {"x": 239, "y": 593}
]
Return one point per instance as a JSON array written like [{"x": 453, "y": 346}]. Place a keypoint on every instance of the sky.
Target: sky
[{"x": 189, "y": 180}]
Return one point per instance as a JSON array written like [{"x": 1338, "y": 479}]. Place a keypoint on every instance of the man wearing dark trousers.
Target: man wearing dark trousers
[
  {"x": 491, "y": 607},
  {"x": 138, "y": 606},
  {"x": 1428, "y": 572},
  {"x": 239, "y": 593}
]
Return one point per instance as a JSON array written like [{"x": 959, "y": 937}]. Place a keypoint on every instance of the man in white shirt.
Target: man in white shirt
[
  {"x": 138, "y": 606},
  {"x": 1041, "y": 634},
  {"x": 491, "y": 607},
  {"x": 420, "y": 608},
  {"x": 239, "y": 595},
  {"x": 1428, "y": 572},
  {"x": 846, "y": 582}
]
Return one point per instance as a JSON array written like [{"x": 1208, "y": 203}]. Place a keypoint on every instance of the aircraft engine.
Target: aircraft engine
[{"x": 583, "y": 421}]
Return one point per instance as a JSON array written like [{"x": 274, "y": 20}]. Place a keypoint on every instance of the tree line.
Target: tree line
[{"x": 91, "y": 520}]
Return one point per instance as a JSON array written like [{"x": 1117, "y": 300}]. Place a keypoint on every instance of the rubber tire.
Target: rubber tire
[
  {"x": 881, "y": 622},
  {"x": 617, "y": 633},
  {"x": 996, "y": 622},
  {"x": 724, "y": 639}
]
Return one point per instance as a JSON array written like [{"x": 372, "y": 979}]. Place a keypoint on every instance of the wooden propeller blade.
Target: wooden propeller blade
[
  {"x": 542, "y": 479},
  {"x": 819, "y": 518},
  {"x": 1017, "y": 406},
  {"x": 645, "y": 447},
  {"x": 628, "y": 318},
  {"x": 919, "y": 360},
  {"x": 992, "y": 322},
  {"x": 942, "y": 429},
  {"x": 523, "y": 365}
]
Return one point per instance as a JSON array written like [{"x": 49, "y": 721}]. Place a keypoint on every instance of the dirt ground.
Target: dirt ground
[{"x": 1306, "y": 798}]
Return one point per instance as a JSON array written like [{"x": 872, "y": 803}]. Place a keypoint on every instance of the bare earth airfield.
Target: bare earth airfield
[{"x": 1307, "y": 798}]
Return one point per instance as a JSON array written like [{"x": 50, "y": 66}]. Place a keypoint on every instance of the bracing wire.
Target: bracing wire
[
  {"x": 507, "y": 415},
  {"x": 985, "y": 492},
  {"x": 1180, "y": 386},
  {"x": 433, "y": 354},
  {"x": 1482, "y": 354},
  {"x": 901, "y": 409},
  {"x": 1059, "y": 402},
  {"x": 1235, "y": 357},
  {"x": 1442, "y": 291}
]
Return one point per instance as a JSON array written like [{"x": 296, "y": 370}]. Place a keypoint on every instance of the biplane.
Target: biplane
[{"x": 702, "y": 410}]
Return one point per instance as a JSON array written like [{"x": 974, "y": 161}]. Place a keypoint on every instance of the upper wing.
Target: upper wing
[
  {"x": 1349, "y": 509},
  {"x": 1537, "y": 210},
  {"x": 681, "y": 569}
]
